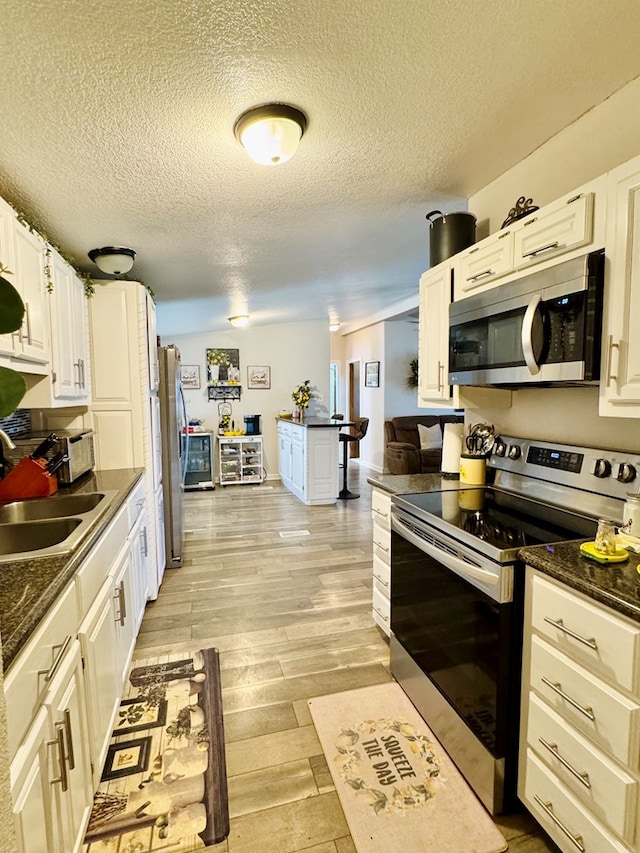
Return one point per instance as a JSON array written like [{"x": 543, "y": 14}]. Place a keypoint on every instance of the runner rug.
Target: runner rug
[
  {"x": 399, "y": 790},
  {"x": 164, "y": 780}
]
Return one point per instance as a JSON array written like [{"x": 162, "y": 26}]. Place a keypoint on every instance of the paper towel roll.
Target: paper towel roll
[{"x": 451, "y": 449}]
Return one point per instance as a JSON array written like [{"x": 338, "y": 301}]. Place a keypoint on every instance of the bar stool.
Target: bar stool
[{"x": 360, "y": 426}]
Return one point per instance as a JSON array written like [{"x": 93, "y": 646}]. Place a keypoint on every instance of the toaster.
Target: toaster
[{"x": 77, "y": 445}]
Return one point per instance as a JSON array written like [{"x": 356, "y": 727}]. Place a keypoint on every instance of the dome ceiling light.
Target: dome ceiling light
[
  {"x": 239, "y": 321},
  {"x": 271, "y": 134},
  {"x": 113, "y": 260}
]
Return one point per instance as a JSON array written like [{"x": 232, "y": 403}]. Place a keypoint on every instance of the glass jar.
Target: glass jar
[
  {"x": 606, "y": 537},
  {"x": 631, "y": 517}
]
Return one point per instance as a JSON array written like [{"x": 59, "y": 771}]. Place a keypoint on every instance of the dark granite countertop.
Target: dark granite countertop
[
  {"x": 406, "y": 484},
  {"x": 617, "y": 585},
  {"x": 30, "y": 586},
  {"x": 314, "y": 422}
]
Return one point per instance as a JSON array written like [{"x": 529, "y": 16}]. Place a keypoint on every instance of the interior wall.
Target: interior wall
[
  {"x": 400, "y": 347},
  {"x": 362, "y": 346},
  {"x": 293, "y": 351},
  {"x": 600, "y": 140}
]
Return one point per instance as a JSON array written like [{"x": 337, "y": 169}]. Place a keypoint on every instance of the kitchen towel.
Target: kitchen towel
[
  {"x": 399, "y": 790},
  {"x": 452, "y": 448}
]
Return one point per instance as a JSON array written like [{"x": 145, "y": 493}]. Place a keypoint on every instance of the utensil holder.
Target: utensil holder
[
  {"x": 27, "y": 480},
  {"x": 473, "y": 470}
]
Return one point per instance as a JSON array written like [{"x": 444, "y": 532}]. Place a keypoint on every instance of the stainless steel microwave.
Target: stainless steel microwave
[{"x": 542, "y": 328}]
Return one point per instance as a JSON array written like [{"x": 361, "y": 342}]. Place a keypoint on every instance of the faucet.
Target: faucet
[{"x": 5, "y": 438}]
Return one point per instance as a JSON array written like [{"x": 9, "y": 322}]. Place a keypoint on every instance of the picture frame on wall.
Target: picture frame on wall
[
  {"x": 190, "y": 375},
  {"x": 258, "y": 376},
  {"x": 372, "y": 374}
]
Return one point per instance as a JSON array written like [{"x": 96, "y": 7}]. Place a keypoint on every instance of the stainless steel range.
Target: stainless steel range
[{"x": 457, "y": 592}]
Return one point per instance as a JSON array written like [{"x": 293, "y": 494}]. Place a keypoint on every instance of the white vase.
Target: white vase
[{"x": 214, "y": 372}]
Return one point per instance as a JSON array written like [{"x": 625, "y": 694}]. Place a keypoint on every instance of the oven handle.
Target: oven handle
[
  {"x": 527, "y": 335},
  {"x": 460, "y": 567}
]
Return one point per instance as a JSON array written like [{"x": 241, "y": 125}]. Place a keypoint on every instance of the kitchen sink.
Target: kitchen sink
[
  {"x": 48, "y": 527},
  {"x": 35, "y": 509},
  {"x": 32, "y": 536}
]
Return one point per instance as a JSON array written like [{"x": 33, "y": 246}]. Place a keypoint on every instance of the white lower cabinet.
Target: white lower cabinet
[
  {"x": 579, "y": 771},
  {"x": 63, "y": 690},
  {"x": 308, "y": 462},
  {"x": 381, "y": 515}
]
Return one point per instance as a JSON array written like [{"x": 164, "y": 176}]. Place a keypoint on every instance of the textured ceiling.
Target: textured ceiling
[{"x": 117, "y": 129}]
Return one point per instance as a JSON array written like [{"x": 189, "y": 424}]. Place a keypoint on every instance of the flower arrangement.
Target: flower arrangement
[
  {"x": 302, "y": 394},
  {"x": 218, "y": 356}
]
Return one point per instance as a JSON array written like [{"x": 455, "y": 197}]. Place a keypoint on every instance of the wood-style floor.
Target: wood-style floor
[{"x": 283, "y": 591}]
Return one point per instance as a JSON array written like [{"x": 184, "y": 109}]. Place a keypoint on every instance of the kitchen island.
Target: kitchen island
[{"x": 308, "y": 458}]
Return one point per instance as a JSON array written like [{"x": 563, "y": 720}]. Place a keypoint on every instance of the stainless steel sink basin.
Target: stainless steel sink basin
[
  {"x": 32, "y": 536},
  {"x": 54, "y": 507},
  {"x": 47, "y": 527}
]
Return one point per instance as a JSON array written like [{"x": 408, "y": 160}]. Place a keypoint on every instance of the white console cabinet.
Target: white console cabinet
[{"x": 308, "y": 461}]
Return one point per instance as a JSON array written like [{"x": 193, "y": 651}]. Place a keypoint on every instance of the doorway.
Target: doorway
[{"x": 354, "y": 403}]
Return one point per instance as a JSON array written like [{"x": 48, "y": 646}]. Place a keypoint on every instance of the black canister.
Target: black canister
[
  {"x": 449, "y": 233},
  {"x": 252, "y": 424}
]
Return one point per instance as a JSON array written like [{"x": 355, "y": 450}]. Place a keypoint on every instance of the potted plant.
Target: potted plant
[{"x": 12, "y": 385}]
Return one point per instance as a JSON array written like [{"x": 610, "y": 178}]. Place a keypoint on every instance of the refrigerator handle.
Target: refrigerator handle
[{"x": 185, "y": 460}]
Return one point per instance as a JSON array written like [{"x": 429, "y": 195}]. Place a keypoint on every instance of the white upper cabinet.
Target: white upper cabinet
[
  {"x": 485, "y": 261},
  {"x": 554, "y": 230},
  {"x": 433, "y": 356},
  {"x": 33, "y": 338},
  {"x": 620, "y": 382},
  {"x": 7, "y": 219}
]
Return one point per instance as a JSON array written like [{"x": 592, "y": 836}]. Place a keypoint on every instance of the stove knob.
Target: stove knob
[
  {"x": 514, "y": 452},
  {"x": 602, "y": 468},
  {"x": 499, "y": 448},
  {"x": 626, "y": 472}
]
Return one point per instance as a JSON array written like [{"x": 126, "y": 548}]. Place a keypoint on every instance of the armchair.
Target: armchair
[{"x": 403, "y": 454}]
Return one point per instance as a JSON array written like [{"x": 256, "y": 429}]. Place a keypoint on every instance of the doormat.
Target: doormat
[
  {"x": 164, "y": 784},
  {"x": 399, "y": 790}
]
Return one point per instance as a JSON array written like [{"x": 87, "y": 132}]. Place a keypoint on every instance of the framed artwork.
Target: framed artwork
[
  {"x": 258, "y": 376},
  {"x": 136, "y": 715},
  {"x": 223, "y": 365},
  {"x": 127, "y": 758},
  {"x": 372, "y": 374},
  {"x": 190, "y": 375}
]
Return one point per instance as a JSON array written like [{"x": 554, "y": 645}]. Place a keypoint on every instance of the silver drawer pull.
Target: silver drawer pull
[
  {"x": 119, "y": 596},
  {"x": 481, "y": 275},
  {"x": 557, "y": 688},
  {"x": 546, "y": 248},
  {"x": 62, "y": 648},
  {"x": 559, "y": 624},
  {"x": 63, "y": 778},
  {"x": 548, "y": 809},
  {"x": 378, "y": 578},
  {"x": 553, "y": 749},
  {"x": 382, "y": 548},
  {"x": 382, "y": 514},
  {"x": 67, "y": 728},
  {"x": 381, "y": 615}
]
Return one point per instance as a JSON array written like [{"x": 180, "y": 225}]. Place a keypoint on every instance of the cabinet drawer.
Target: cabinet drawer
[
  {"x": 605, "y": 643},
  {"x": 30, "y": 674},
  {"x": 381, "y": 610},
  {"x": 135, "y": 502},
  {"x": 482, "y": 263},
  {"x": 381, "y": 543},
  {"x": 382, "y": 574},
  {"x": 381, "y": 508},
  {"x": 95, "y": 569},
  {"x": 560, "y": 228},
  {"x": 546, "y": 796},
  {"x": 609, "y": 792},
  {"x": 607, "y": 717}
]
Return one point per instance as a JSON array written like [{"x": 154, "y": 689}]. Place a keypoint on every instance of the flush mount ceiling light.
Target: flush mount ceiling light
[
  {"x": 333, "y": 327},
  {"x": 271, "y": 134},
  {"x": 239, "y": 320},
  {"x": 113, "y": 260}
]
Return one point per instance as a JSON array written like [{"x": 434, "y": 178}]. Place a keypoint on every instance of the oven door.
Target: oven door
[{"x": 453, "y": 614}]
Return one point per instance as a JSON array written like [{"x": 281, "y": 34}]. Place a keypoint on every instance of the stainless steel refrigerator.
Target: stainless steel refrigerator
[{"x": 173, "y": 420}]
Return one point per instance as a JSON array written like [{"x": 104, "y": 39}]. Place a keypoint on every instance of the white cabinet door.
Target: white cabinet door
[
  {"x": 298, "y": 460},
  {"x": 7, "y": 219},
  {"x": 554, "y": 230},
  {"x": 69, "y": 335},
  {"x": 433, "y": 360},
  {"x": 620, "y": 380},
  {"x": 33, "y": 337},
  {"x": 126, "y": 616},
  {"x": 483, "y": 263},
  {"x": 284, "y": 452}
]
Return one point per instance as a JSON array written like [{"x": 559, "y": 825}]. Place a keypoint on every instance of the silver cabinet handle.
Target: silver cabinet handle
[
  {"x": 67, "y": 728},
  {"x": 610, "y": 347},
  {"x": 526, "y": 335},
  {"x": 559, "y": 624},
  {"x": 27, "y": 319},
  {"x": 557, "y": 688},
  {"x": 145, "y": 536},
  {"x": 381, "y": 615},
  {"x": 58, "y": 741},
  {"x": 382, "y": 547},
  {"x": 381, "y": 514},
  {"x": 78, "y": 381},
  {"x": 440, "y": 374},
  {"x": 546, "y": 248},
  {"x": 119, "y": 596},
  {"x": 553, "y": 749},
  {"x": 481, "y": 275},
  {"x": 378, "y": 578},
  {"x": 62, "y": 648},
  {"x": 548, "y": 809}
]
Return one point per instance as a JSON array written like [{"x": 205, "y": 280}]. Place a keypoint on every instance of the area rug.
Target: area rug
[
  {"x": 164, "y": 781},
  {"x": 399, "y": 790}
]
